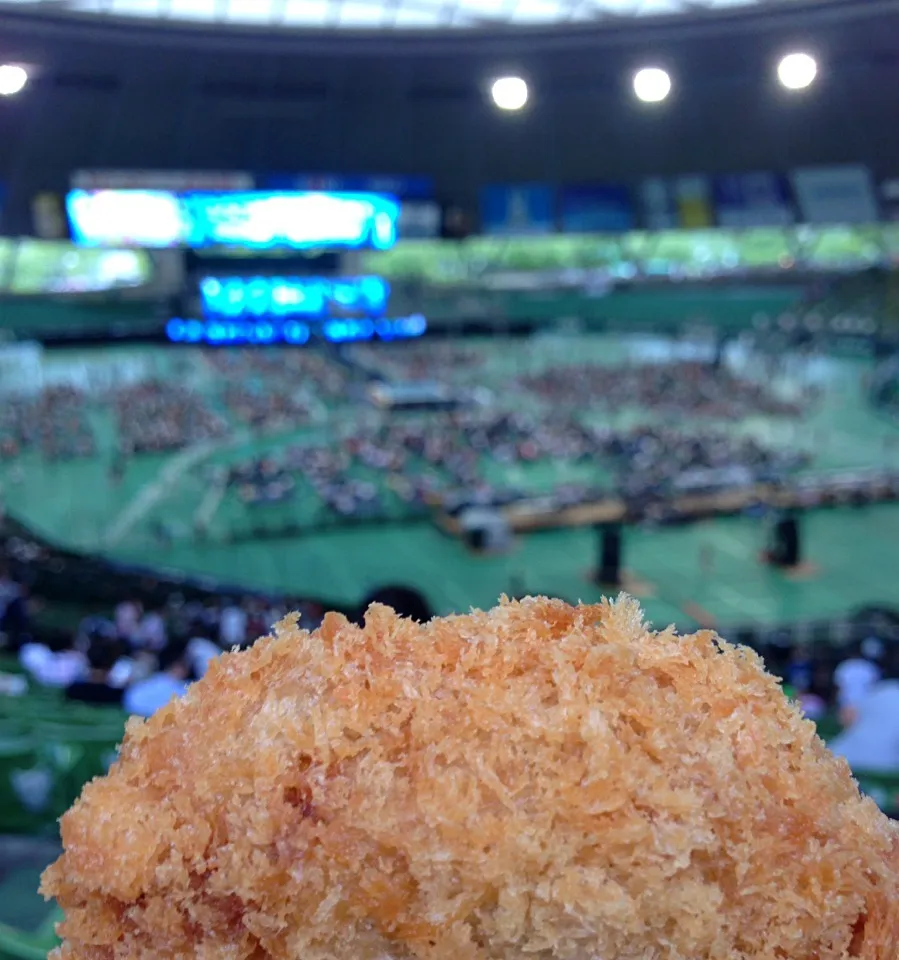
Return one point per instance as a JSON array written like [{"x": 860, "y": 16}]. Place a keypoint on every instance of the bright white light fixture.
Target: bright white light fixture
[
  {"x": 652, "y": 85},
  {"x": 509, "y": 93},
  {"x": 12, "y": 79},
  {"x": 796, "y": 71}
]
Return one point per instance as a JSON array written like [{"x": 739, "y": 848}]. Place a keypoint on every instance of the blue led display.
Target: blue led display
[
  {"x": 236, "y": 332},
  {"x": 309, "y": 297},
  {"x": 298, "y": 220}
]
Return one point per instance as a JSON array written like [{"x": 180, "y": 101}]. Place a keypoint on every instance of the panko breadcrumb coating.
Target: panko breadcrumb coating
[{"x": 540, "y": 781}]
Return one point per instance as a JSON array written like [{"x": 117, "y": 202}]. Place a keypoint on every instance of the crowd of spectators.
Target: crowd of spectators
[
  {"x": 138, "y": 659},
  {"x": 374, "y": 459},
  {"x": 54, "y": 423},
  {"x": 319, "y": 371},
  {"x": 668, "y": 459},
  {"x": 273, "y": 389},
  {"x": 450, "y": 455},
  {"x": 857, "y": 684},
  {"x": 676, "y": 389},
  {"x": 261, "y": 480},
  {"x": 156, "y": 416},
  {"x": 417, "y": 361},
  {"x": 329, "y": 470},
  {"x": 265, "y": 408}
]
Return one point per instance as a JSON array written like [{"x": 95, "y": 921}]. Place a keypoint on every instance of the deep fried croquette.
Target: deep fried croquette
[{"x": 540, "y": 781}]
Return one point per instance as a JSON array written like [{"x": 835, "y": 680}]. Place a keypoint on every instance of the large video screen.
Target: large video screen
[
  {"x": 298, "y": 220},
  {"x": 127, "y": 218},
  {"x": 59, "y": 267},
  {"x": 34, "y": 267}
]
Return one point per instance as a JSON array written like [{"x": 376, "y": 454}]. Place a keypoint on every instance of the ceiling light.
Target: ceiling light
[
  {"x": 796, "y": 71},
  {"x": 509, "y": 93},
  {"x": 652, "y": 85},
  {"x": 12, "y": 79}
]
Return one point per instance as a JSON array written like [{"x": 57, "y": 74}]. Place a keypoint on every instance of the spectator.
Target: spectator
[
  {"x": 233, "y": 626},
  {"x": 145, "y": 697},
  {"x": 102, "y": 656},
  {"x": 151, "y": 631},
  {"x": 127, "y": 619},
  {"x": 14, "y": 621},
  {"x": 801, "y": 669},
  {"x": 201, "y": 651},
  {"x": 856, "y": 676},
  {"x": 871, "y": 743},
  {"x": 52, "y": 668}
]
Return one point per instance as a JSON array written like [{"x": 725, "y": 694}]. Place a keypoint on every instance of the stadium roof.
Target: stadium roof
[{"x": 391, "y": 14}]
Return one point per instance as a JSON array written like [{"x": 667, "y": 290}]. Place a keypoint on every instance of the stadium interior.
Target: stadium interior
[{"x": 306, "y": 304}]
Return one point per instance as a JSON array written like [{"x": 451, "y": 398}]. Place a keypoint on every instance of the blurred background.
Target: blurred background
[{"x": 305, "y": 303}]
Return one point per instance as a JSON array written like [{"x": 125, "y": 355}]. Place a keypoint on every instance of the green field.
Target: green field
[{"x": 855, "y": 551}]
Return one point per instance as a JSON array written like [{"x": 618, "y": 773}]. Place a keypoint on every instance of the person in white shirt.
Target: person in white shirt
[
  {"x": 151, "y": 632},
  {"x": 856, "y": 676},
  {"x": 127, "y": 619},
  {"x": 145, "y": 697},
  {"x": 201, "y": 651},
  {"x": 233, "y": 626},
  {"x": 871, "y": 743},
  {"x": 53, "y": 669}
]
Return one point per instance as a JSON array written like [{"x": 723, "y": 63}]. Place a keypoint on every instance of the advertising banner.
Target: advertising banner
[
  {"x": 419, "y": 220},
  {"x": 657, "y": 204},
  {"x": 597, "y": 208},
  {"x": 758, "y": 199},
  {"x": 47, "y": 216},
  {"x": 838, "y": 194},
  {"x": 519, "y": 209},
  {"x": 692, "y": 196},
  {"x": 889, "y": 198},
  {"x": 416, "y": 187},
  {"x": 175, "y": 181}
]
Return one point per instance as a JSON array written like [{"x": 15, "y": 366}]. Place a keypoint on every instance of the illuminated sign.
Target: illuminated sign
[
  {"x": 298, "y": 220},
  {"x": 294, "y": 332},
  {"x": 295, "y": 220},
  {"x": 127, "y": 218},
  {"x": 312, "y": 297}
]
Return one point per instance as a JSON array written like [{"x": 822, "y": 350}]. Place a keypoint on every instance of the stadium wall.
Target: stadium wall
[
  {"x": 669, "y": 307},
  {"x": 664, "y": 307},
  {"x": 59, "y": 319}
]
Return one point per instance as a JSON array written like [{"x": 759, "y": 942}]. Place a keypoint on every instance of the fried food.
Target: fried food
[{"x": 540, "y": 780}]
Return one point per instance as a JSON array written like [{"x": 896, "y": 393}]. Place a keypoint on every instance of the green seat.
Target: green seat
[
  {"x": 828, "y": 727},
  {"x": 12, "y": 728},
  {"x": 883, "y": 788},
  {"x": 27, "y": 921},
  {"x": 31, "y": 791},
  {"x": 12, "y": 665},
  {"x": 22, "y": 945},
  {"x": 78, "y": 753}
]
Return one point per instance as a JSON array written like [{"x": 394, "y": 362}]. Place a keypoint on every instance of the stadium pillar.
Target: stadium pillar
[
  {"x": 785, "y": 548},
  {"x": 608, "y": 570}
]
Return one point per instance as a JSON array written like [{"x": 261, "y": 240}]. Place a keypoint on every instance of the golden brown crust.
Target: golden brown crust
[{"x": 541, "y": 779}]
